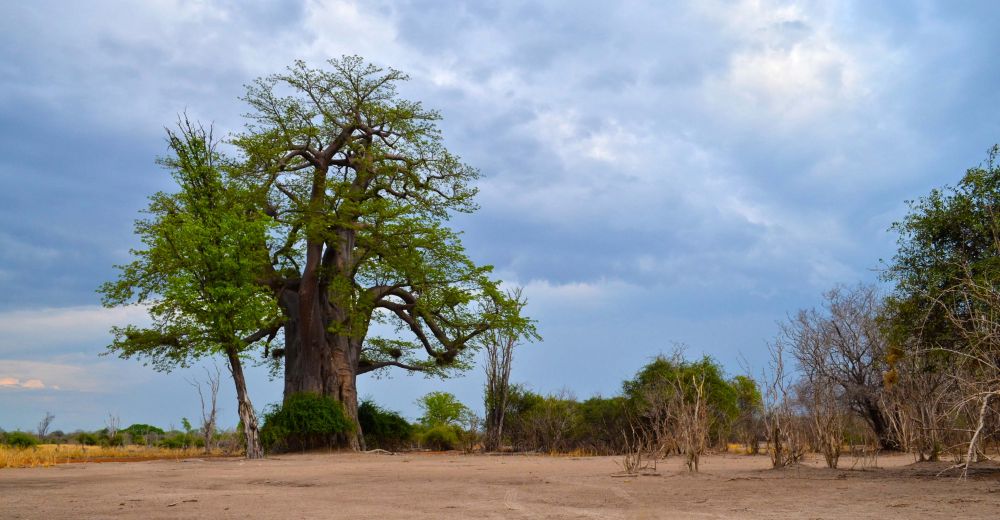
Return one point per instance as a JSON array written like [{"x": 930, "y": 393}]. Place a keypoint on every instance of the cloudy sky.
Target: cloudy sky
[{"x": 654, "y": 172}]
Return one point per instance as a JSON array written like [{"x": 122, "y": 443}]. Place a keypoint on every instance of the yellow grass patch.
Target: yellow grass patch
[{"x": 50, "y": 454}]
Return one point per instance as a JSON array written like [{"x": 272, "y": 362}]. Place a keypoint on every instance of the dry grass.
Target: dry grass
[{"x": 50, "y": 454}]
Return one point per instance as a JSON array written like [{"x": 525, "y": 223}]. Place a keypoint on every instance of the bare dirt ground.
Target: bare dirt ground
[{"x": 480, "y": 486}]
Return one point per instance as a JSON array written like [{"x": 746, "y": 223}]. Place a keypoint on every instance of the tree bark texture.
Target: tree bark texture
[{"x": 248, "y": 417}]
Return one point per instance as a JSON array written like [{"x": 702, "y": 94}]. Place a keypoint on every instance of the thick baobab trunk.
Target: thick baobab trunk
[
  {"x": 248, "y": 417},
  {"x": 320, "y": 362}
]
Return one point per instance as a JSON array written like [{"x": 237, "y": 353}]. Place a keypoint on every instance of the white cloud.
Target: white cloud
[{"x": 76, "y": 373}]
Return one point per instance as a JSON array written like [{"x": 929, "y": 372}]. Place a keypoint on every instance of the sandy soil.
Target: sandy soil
[{"x": 479, "y": 486}]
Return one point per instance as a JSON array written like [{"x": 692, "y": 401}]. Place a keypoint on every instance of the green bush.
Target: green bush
[
  {"x": 88, "y": 439},
  {"x": 117, "y": 440},
  {"x": 383, "y": 428},
  {"x": 305, "y": 421},
  {"x": 179, "y": 440},
  {"x": 20, "y": 440},
  {"x": 141, "y": 430},
  {"x": 441, "y": 437}
]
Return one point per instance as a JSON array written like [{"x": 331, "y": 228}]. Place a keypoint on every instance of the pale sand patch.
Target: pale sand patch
[{"x": 478, "y": 486}]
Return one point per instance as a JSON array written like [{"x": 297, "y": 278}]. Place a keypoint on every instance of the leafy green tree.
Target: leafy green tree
[
  {"x": 360, "y": 187},
  {"x": 333, "y": 219},
  {"x": 442, "y": 408},
  {"x": 944, "y": 310},
  {"x": 199, "y": 270},
  {"x": 750, "y": 406},
  {"x": 651, "y": 392},
  {"x": 946, "y": 236}
]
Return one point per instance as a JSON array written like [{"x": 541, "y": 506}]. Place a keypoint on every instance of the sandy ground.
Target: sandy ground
[{"x": 479, "y": 486}]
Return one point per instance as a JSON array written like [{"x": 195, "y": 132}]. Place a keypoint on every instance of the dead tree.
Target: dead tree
[
  {"x": 43, "y": 425},
  {"x": 843, "y": 343},
  {"x": 690, "y": 415},
  {"x": 785, "y": 443},
  {"x": 818, "y": 397},
  {"x": 112, "y": 423},
  {"x": 921, "y": 388},
  {"x": 976, "y": 316},
  {"x": 499, "y": 347},
  {"x": 208, "y": 408}
]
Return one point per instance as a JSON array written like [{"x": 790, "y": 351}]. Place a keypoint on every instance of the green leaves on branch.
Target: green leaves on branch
[{"x": 204, "y": 253}]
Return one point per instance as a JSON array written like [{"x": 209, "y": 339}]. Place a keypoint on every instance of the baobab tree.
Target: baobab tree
[
  {"x": 357, "y": 187},
  {"x": 360, "y": 187}
]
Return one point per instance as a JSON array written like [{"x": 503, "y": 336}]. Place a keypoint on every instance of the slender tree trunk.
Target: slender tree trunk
[
  {"x": 251, "y": 432},
  {"x": 883, "y": 433}
]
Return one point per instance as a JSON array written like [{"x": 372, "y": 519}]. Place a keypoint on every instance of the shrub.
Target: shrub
[
  {"x": 179, "y": 440},
  {"x": 117, "y": 440},
  {"x": 304, "y": 421},
  {"x": 20, "y": 440},
  {"x": 383, "y": 428},
  {"x": 141, "y": 430},
  {"x": 88, "y": 439},
  {"x": 441, "y": 437}
]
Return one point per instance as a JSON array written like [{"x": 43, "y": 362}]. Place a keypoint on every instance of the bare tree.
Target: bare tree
[
  {"x": 921, "y": 387},
  {"x": 785, "y": 443},
  {"x": 658, "y": 411},
  {"x": 843, "y": 344},
  {"x": 43, "y": 425},
  {"x": 636, "y": 442},
  {"x": 690, "y": 415},
  {"x": 208, "y": 408},
  {"x": 499, "y": 346},
  {"x": 113, "y": 422},
  {"x": 819, "y": 397},
  {"x": 975, "y": 312}
]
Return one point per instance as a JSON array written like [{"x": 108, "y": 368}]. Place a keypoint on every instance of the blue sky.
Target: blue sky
[{"x": 654, "y": 172}]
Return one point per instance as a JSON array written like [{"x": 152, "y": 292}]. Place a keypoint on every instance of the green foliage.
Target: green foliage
[
  {"x": 137, "y": 430},
  {"x": 441, "y": 437},
  {"x": 117, "y": 440},
  {"x": 383, "y": 428},
  {"x": 19, "y": 439},
  {"x": 748, "y": 396},
  {"x": 600, "y": 423},
  {"x": 657, "y": 380},
  {"x": 88, "y": 439},
  {"x": 442, "y": 408},
  {"x": 179, "y": 440},
  {"x": 304, "y": 421},
  {"x": 204, "y": 251},
  {"x": 345, "y": 161},
  {"x": 947, "y": 236}
]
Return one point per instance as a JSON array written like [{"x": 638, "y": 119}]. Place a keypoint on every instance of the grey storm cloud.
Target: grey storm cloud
[{"x": 652, "y": 171}]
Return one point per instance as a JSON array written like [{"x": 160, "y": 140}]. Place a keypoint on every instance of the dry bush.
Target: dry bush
[
  {"x": 826, "y": 416},
  {"x": 691, "y": 419},
  {"x": 920, "y": 392},
  {"x": 786, "y": 442}
]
